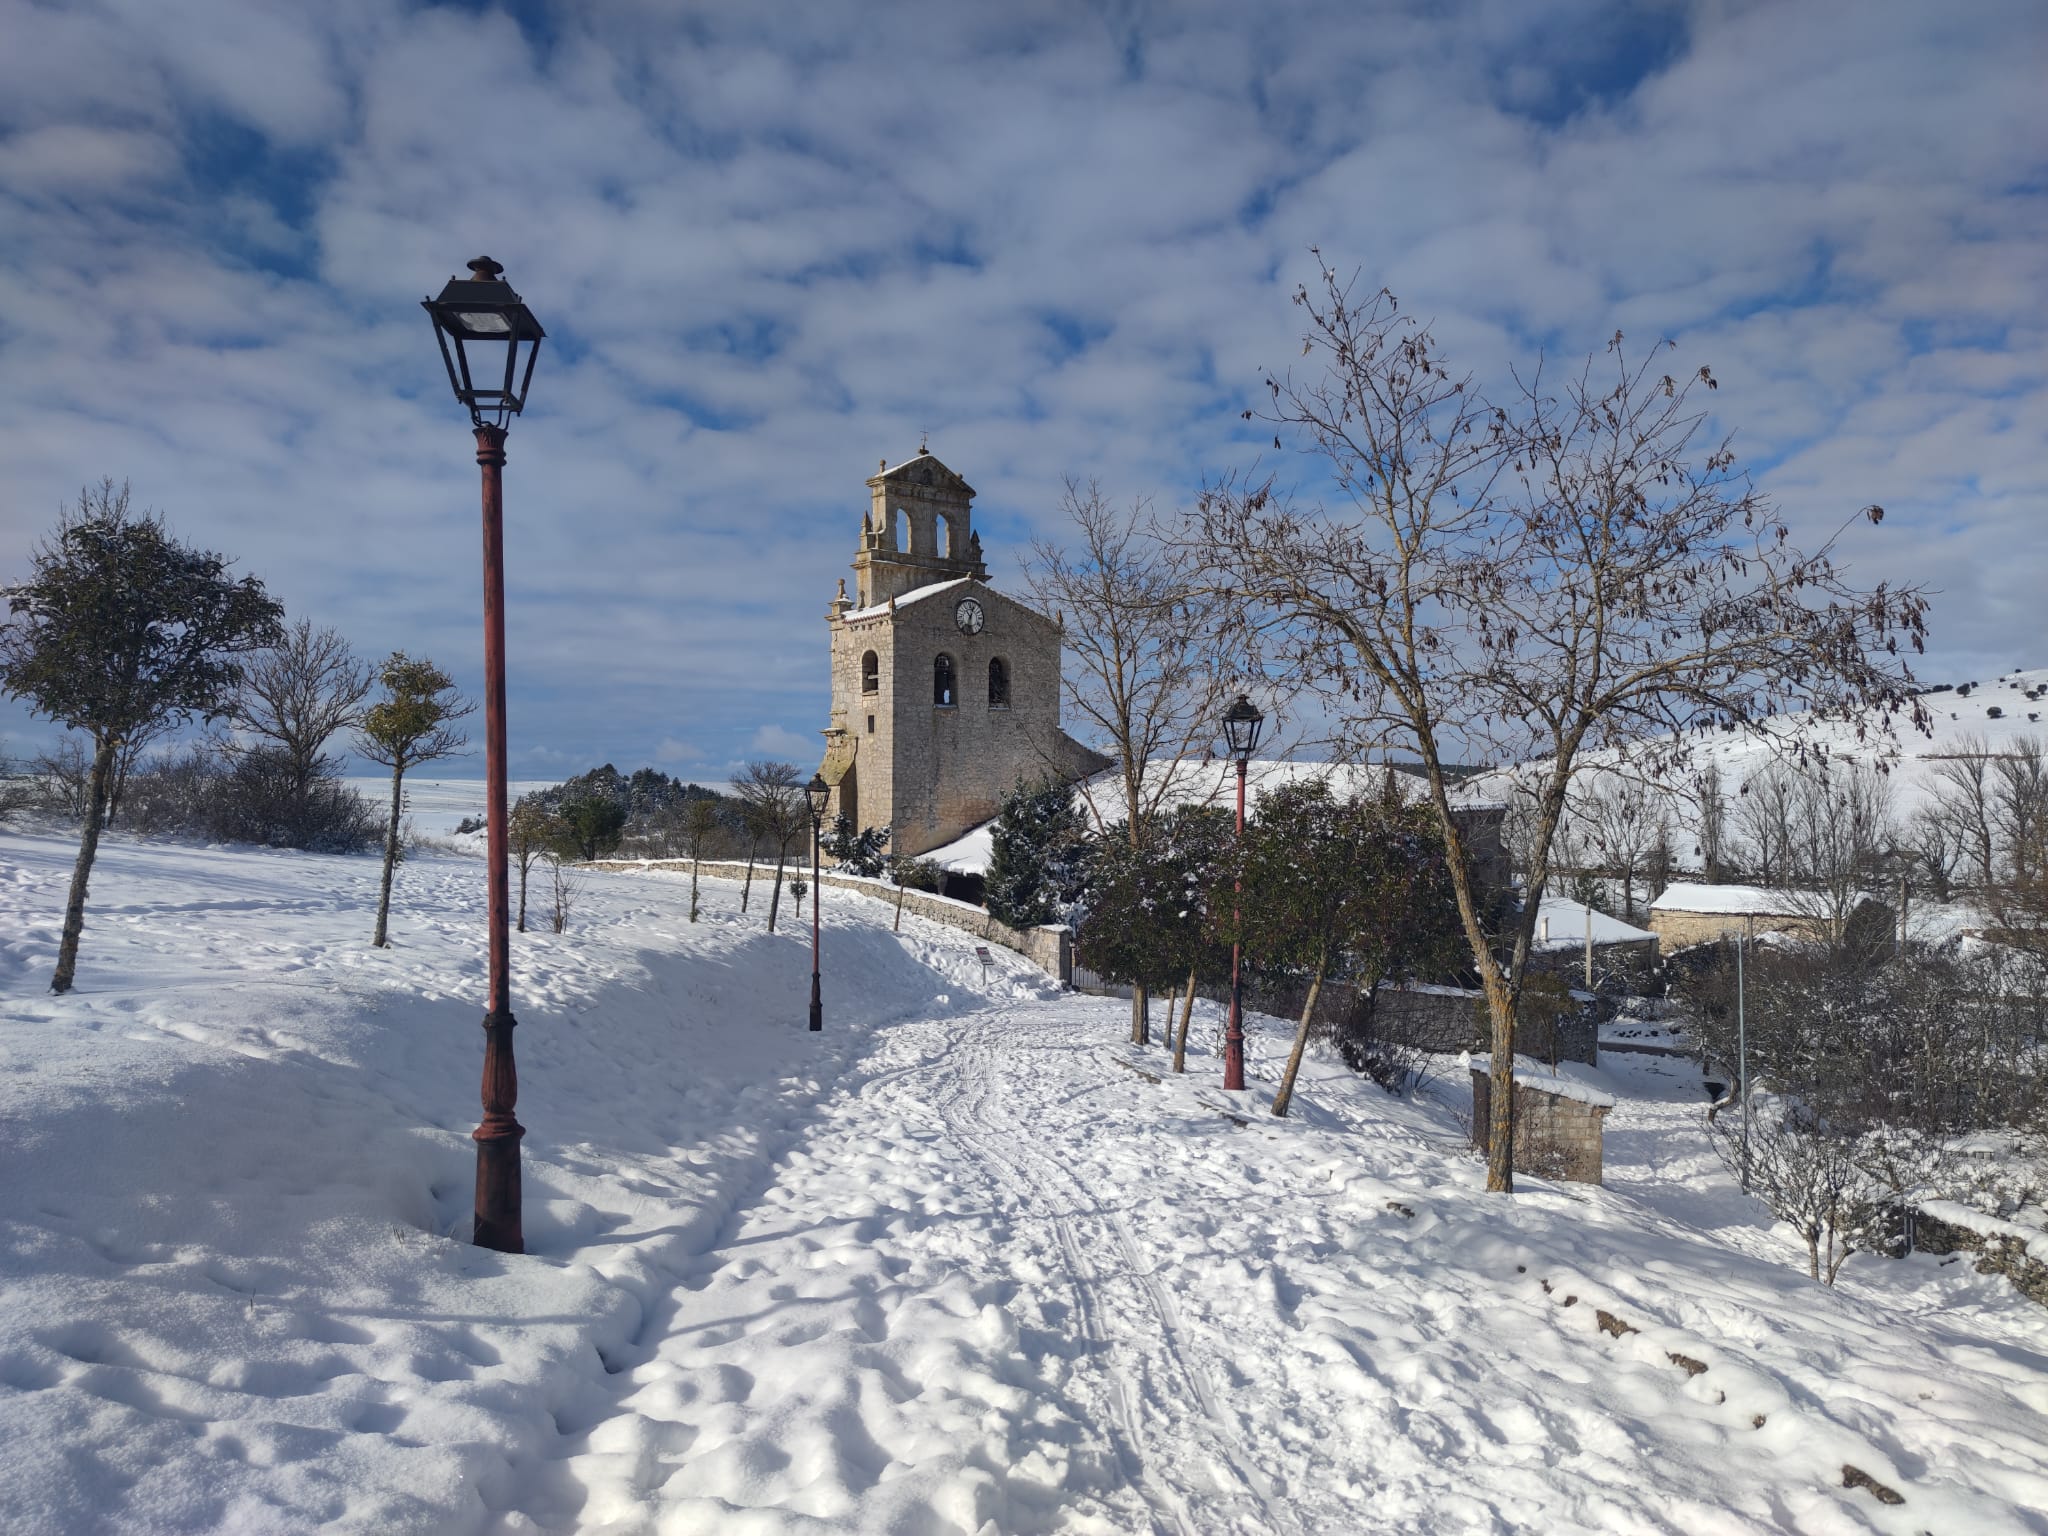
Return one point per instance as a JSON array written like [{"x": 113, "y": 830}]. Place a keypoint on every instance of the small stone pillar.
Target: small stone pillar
[{"x": 1558, "y": 1120}]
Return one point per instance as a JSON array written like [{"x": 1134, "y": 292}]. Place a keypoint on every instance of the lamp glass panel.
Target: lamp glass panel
[{"x": 484, "y": 322}]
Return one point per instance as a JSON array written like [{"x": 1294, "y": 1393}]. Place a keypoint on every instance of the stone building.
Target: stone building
[
  {"x": 945, "y": 692},
  {"x": 1685, "y": 913}
]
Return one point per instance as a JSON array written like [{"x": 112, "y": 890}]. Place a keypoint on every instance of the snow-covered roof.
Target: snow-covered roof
[
  {"x": 1567, "y": 920},
  {"x": 1564, "y": 1081},
  {"x": 1726, "y": 900},
  {"x": 905, "y": 599}
]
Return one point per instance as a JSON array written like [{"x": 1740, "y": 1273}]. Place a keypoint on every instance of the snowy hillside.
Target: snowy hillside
[
  {"x": 952, "y": 1266},
  {"x": 1995, "y": 711}
]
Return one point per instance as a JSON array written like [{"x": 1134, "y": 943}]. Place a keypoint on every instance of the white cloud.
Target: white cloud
[
  {"x": 779, "y": 742},
  {"x": 1062, "y": 242}
]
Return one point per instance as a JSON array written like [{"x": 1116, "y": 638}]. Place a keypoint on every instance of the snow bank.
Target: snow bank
[{"x": 944, "y": 1268}]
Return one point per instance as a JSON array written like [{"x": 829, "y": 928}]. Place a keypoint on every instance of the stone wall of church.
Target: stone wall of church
[{"x": 953, "y": 764}]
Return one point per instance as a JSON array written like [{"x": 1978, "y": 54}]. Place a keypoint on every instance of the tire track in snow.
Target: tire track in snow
[{"x": 1157, "y": 1347}]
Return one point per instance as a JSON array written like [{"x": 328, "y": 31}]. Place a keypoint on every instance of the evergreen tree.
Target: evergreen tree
[
  {"x": 1328, "y": 882},
  {"x": 859, "y": 853},
  {"x": 1041, "y": 855},
  {"x": 119, "y": 630},
  {"x": 594, "y": 823},
  {"x": 1148, "y": 919}
]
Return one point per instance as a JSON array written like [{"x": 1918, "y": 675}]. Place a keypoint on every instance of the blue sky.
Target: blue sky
[{"x": 775, "y": 244}]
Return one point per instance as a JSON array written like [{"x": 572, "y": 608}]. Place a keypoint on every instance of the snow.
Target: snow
[
  {"x": 946, "y": 1267},
  {"x": 1731, "y": 900},
  {"x": 1567, "y": 1080},
  {"x": 970, "y": 854},
  {"x": 437, "y": 806},
  {"x": 904, "y": 599},
  {"x": 2032, "y": 1239},
  {"x": 1567, "y": 921}
]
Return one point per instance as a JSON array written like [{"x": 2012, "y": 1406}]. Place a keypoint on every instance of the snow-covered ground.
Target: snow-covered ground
[
  {"x": 437, "y": 806},
  {"x": 962, "y": 1263}
]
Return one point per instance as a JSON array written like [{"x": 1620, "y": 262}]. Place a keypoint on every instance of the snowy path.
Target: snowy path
[{"x": 947, "y": 1269}]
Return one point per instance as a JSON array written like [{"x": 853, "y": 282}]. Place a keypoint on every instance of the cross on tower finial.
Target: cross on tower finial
[{"x": 923, "y": 440}]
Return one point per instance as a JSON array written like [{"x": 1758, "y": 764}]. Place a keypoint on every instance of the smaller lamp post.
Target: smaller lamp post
[
  {"x": 1241, "y": 725},
  {"x": 818, "y": 792}
]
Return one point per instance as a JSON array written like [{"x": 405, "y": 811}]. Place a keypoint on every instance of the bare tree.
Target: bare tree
[
  {"x": 774, "y": 795},
  {"x": 1842, "y": 829},
  {"x": 565, "y": 885},
  {"x": 1764, "y": 814},
  {"x": 413, "y": 723},
  {"x": 1144, "y": 671},
  {"x": 1962, "y": 785},
  {"x": 1710, "y": 812},
  {"x": 532, "y": 830},
  {"x": 1618, "y": 816},
  {"x": 2019, "y": 807},
  {"x": 1573, "y": 572},
  {"x": 295, "y": 697},
  {"x": 63, "y": 778}
]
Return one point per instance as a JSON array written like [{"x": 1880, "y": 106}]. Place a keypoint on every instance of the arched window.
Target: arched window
[
  {"x": 998, "y": 683},
  {"x": 870, "y": 672},
  {"x": 942, "y": 682}
]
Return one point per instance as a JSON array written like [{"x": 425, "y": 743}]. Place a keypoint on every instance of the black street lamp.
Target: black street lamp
[
  {"x": 476, "y": 319},
  {"x": 1241, "y": 725},
  {"x": 818, "y": 792}
]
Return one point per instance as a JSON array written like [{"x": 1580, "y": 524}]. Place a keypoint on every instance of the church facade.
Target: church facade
[{"x": 945, "y": 691}]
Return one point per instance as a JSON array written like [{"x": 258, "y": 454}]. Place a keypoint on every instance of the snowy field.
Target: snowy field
[{"x": 952, "y": 1266}]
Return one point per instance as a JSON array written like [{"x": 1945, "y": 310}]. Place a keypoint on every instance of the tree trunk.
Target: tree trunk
[
  {"x": 897, "y": 926},
  {"x": 81, "y": 873},
  {"x": 747, "y": 888},
  {"x": 1308, "y": 1011},
  {"x": 1141, "y": 1015},
  {"x": 1187, "y": 1012},
  {"x": 525, "y": 866},
  {"x": 380, "y": 941},
  {"x": 1500, "y": 1130},
  {"x": 694, "y": 864},
  {"x": 775, "y": 895}
]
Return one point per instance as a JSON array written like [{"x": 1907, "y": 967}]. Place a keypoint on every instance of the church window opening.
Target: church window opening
[
  {"x": 998, "y": 683},
  {"x": 942, "y": 682},
  {"x": 871, "y": 725},
  {"x": 870, "y": 672}
]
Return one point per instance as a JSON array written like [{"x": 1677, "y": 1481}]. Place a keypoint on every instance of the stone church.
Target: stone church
[{"x": 945, "y": 692}]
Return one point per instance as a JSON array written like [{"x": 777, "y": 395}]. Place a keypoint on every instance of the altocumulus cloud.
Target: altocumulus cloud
[{"x": 773, "y": 244}]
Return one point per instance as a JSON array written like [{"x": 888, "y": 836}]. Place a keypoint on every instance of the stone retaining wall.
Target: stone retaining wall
[
  {"x": 1997, "y": 1253},
  {"x": 1050, "y": 948}
]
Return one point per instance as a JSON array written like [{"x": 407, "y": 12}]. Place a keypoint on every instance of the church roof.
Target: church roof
[
  {"x": 905, "y": 599},
  {"x": 925, "y": 468}
]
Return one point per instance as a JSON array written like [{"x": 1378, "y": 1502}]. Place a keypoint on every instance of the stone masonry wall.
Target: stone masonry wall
[
  {"x": 1555, "y": 1137},
  {"x": 1050, "y": 948}
]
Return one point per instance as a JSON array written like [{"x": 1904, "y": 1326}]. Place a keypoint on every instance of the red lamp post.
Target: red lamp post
[
  {"x": 818, "y": 792},
  {"x": 474, "y": 318},
  {"x": 1241, "y": 725}
]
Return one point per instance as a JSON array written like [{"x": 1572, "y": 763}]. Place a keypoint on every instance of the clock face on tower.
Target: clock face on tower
[{"x": 969, "y": 617}]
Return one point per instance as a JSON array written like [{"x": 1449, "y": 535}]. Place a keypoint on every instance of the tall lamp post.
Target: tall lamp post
[
  {"x": 818, "y": 792},
  {"x": 1241, "y": 726},
  {"x": 481, "y": 324}
]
